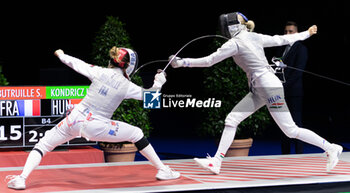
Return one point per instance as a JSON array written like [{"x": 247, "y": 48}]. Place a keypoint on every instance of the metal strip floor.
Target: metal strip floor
[{"x": 236, "y": 172}]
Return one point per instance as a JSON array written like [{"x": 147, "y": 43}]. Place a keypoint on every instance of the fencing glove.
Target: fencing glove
[{"x": 177, "y": 62}]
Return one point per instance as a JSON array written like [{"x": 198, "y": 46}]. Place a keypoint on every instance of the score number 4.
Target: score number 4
[{"x": 15, "y": 133}]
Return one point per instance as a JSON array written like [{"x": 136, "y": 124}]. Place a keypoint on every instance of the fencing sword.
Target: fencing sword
[
  {"x": 193, "y": 40},
  {"x": 223, "y": 37},
  {"x": 175, "y": 55},
  {"x": 278, "y": 63}
]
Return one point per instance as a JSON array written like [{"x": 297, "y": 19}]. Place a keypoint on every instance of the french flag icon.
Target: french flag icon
[{"x": 29, "y": 107}]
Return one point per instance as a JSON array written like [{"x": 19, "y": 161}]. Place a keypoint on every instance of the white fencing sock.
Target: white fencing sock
[
  {"x": 225, "y": 142},
  {"x": 286, "y": 123},
  {"x": 149, "y": 153},
  {"x": 309, "y": 136},
  {"x": 33, "y": 160}
]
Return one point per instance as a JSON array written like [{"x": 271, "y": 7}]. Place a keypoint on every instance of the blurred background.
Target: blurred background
[{"x": 31, "y": 32}]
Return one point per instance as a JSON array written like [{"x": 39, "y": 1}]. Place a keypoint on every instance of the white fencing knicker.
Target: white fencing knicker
[{"x": 86, "y": 125}]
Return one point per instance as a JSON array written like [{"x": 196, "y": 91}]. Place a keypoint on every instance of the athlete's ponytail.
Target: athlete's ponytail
[
  {"x": 250, "y": 25},
  {"x": 119, "y": 58}
]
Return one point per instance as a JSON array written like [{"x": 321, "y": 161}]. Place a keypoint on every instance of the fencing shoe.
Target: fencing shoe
[
  {"x": 210, "y": 163},
  {"x": 333, "y": 156},
  {"x": 167, "y": 173},
  {"x": 16, "y": 182}
]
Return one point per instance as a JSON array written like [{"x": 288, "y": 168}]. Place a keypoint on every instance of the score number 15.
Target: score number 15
[{"x": 15, "y": 133}]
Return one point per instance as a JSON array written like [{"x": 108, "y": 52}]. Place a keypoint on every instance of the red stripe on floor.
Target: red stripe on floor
[{"x": 45, "y": 180}]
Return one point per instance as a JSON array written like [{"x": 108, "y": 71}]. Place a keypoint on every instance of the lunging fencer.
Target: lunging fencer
[
  {"x": 247, "y": 49},
  {"x": 91, "y": 118}
]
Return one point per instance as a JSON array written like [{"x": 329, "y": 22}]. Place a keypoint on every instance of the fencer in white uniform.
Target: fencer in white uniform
[
  {"x": 91, "y": 118},
  {"x": 247, "y": 49}
]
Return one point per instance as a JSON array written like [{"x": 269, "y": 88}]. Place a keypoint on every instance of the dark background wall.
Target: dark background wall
[{"x": 31, "y": 32}]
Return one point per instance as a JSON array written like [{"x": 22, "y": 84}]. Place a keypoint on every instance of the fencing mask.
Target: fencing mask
[
  {"x": 230, "y": 25},
  {"x": 133, "y": 61}
]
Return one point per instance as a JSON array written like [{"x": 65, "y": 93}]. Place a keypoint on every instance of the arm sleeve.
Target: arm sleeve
[
  {"x": 136, "y": 92},
  {"x": 79, "y": 66},
  {"x": 280, "y": 40},
  {"x": 228, "y": 49}
]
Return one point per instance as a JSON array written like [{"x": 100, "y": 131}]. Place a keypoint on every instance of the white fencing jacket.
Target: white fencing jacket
[
  {"x": 108, "y": 89},
  {"x": 247, "y": 50}
]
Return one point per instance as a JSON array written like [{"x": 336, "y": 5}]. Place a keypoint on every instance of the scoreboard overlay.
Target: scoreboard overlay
[{"x": 26, "y": 113}]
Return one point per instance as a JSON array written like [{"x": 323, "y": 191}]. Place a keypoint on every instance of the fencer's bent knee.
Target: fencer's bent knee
[
  {"x": 136, "y": 135},
  {"x": 39, "y": 151},
  {"x": 232, "y": 119},
  {"x": 142, "y": 143},
  {"x": 44, "y": 146},
  {"x": 41, "y": 148},
  {"x": 291, "y": 132},
  {"x": 50, "y": 141}
]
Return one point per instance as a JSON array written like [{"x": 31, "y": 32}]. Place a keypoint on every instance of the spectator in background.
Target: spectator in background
[{"x": 294, "y": 55}]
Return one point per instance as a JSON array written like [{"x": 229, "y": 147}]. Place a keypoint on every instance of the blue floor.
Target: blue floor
[{"x": 189, "y": 148}]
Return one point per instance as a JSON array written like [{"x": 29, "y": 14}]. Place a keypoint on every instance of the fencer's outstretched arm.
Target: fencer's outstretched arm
[
  {"x": 136, "y": 92},
  {"x": 280, "y": 40},
  {"x": 228, "y": 49},
  {"x": 76, "y": 64},
  {"x": 90, "y": 71}
]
